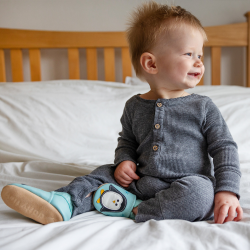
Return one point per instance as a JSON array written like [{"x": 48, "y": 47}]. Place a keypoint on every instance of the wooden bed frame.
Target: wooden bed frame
[{"x": 16, "y": 40}]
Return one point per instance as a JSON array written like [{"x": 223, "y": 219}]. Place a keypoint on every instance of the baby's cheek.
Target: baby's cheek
[{"x": 203, "y": 69}]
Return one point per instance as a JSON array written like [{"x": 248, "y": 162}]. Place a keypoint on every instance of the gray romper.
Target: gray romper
[{"x": 170, "y": 140}]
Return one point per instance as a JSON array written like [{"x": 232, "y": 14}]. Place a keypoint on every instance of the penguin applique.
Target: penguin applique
[{"x": 112, "y": 200}]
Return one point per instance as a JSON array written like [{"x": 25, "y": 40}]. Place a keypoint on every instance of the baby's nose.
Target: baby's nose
[{"x": 198, "y": 63}]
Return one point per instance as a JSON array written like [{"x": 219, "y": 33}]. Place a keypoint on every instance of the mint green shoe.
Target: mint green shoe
[
  {"x": 113, "y": 200},
  {"x": 41, "y": 206}
]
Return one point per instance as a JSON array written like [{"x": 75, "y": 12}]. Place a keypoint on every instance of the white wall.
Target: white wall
[{"x": 112, "y": 15}]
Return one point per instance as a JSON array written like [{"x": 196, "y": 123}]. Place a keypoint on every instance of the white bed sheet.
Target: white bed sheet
[{"x": 53, "y": 131}]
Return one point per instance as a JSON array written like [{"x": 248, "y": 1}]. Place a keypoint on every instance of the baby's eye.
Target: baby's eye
[
  {"x": 199, "y": 56},
  {"x": 188, "y": 54}
]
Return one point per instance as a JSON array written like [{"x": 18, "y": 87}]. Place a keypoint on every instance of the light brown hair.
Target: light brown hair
[{"x": 148, "y": 22}]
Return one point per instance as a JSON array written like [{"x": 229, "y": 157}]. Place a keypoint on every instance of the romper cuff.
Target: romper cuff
[
  {"x": 228, "y": 181},
  {"x": 117, "y": 162}
]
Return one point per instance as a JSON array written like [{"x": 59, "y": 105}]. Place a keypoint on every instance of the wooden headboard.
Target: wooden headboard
[{"x": 218, "y": 36}]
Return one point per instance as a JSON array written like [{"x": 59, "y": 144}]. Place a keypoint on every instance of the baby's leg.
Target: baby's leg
[
  {"x": 62, "y": 204},
  {"x": 81, "y": 188},
  {"x": 190, "y": 198},
  {"x": 147, "y": 186},
  {"x": 113, "y": 200}
]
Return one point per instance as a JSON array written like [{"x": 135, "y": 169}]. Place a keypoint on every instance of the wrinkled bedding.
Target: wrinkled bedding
[{"x": 53, "y": 131}]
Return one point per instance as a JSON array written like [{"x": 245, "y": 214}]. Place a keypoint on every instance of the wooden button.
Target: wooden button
[
  {"x": 155, "y": 148},
  {"x": 159, "y": 104},
  {"x": 157, "y": 126}
]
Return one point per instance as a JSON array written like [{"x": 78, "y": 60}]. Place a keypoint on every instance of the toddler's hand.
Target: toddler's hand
[
  {"x": 226, "y": 203},
  {"x": 125, "y": 173}
]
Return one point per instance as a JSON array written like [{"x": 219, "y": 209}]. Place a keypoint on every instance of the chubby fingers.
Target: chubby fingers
[
  {"x": 239, "y": 214},
  {"x": 231, "y": 214},
  {"x": 220, "y": 213},
  {"x": 123, "y": 179},
  {"x": 125, "y": 173},
  {"x": 131, "y": 173}
]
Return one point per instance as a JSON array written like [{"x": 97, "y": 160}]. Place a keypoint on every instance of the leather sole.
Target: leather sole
[{"x": 30, "y": 205}]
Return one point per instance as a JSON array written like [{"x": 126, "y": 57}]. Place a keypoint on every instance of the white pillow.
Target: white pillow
[
  {"x": 69, "y": 121},
  {"x": 77, "y": 121}
]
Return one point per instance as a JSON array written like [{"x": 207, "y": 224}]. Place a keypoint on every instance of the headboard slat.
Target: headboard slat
[
  {"x": 16, "y": 65},
  {"x": 109, "y": 64},
  {"x": 126, "y": 64},
  {"x": 74, "y": 66},
  {"x": 91, "y": 57},
  {"x": 28, "y": 39},
  {"x": 227, "y": 35},
  {"x": 35, "y": 64},
  {"x": 216, "y": 65},
  {"x": 2, "y": 67}
]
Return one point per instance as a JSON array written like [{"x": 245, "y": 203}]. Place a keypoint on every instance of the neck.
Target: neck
[
  {"x": 159, "y": 94},
  {"x": 162, "y": 90}
]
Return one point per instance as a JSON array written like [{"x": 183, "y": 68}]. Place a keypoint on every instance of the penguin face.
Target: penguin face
[{"x": 111, "y": 200}]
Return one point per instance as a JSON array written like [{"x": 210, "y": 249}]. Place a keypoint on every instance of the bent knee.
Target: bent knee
[
  {"x": 193, "y": 195},
  {"x": 203, "y": 197},
  {"x": 202, "y": 187},
  {"x": 149, "y": 186}
]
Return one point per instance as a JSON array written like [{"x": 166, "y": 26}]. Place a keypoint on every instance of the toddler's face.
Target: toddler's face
[{"x": 178, "y": 58}]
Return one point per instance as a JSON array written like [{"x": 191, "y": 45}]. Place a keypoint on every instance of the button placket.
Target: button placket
[{"x": 158, "y": 119}]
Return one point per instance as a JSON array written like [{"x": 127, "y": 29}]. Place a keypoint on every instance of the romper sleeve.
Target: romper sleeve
[
  {"x": 223, "y": 149},
  {"x": 127, "y": 144}
]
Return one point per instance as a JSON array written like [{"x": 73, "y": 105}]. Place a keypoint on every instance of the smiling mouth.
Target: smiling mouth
[{"x": 193, "y": 74}]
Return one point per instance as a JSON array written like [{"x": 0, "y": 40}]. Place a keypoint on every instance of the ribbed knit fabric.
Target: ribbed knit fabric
[{"x": 171, "y": 139}]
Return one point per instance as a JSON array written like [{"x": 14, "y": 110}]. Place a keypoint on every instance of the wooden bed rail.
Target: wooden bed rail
[
  {"x": 232, "y": 35},
  {"x": 16, "y": 40}
]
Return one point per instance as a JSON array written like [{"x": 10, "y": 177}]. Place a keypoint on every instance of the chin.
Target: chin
[{"x": 190, "y": 85}]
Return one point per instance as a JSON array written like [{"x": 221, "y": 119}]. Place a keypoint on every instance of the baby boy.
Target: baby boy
[{"x": 162, "y": 168}]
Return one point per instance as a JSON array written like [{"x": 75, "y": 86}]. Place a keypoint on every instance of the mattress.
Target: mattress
[{"x": 54, "y": 131}]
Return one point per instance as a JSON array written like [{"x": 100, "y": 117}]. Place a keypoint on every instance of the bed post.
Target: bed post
[
  {"x": 248, "y": 49},
  {"x": 2, "y": 67}
]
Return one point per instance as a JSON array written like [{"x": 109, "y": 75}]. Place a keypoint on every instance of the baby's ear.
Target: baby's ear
[{"x": 147, "y": 61}]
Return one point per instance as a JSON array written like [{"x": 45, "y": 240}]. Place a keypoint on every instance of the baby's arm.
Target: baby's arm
[
  {"x": 226, "y": 203},
  {"x": 125, "y": 173},
  {"x": 125, "y": 153},
  {"x": 223, "y": 150}
]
